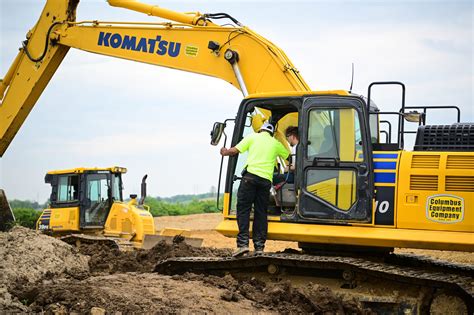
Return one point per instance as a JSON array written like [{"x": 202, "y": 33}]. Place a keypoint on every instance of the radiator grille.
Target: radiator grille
[
  {"x": 424, "y": 182},
  {"x": 455, "y": 137},
  {"x": 425, "y": 161},
  {"x": 460, "y": 162},
  {"x": 460, "y": 183}
]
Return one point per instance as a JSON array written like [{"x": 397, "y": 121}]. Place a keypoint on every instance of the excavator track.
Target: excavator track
[{"x": 430, "y": 277}]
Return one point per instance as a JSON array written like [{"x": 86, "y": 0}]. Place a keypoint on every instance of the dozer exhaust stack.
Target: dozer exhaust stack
[
  {"x": 6, "y": 214},
  {"x": 143, "y": 196}
]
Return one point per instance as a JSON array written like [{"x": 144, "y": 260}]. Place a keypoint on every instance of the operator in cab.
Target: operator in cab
[
  {"x": 255, "y": 185},
  {"x": 288, "y": 176}
]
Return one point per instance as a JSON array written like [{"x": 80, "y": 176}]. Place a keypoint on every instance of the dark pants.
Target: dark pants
[{"x": 253, "y": 190}]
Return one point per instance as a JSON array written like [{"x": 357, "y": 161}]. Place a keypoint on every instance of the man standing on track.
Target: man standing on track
[{"x": 255, "y": 185}]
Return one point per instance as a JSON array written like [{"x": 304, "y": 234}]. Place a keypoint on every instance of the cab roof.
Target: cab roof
[
  {"x": 298, "y": 94},
  {"x": 80, "y": 170}
]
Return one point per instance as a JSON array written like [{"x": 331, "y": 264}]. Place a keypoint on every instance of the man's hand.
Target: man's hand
[{"x": 229, "y": 152}]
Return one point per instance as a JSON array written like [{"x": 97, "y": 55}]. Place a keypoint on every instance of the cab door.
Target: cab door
[
  {"x": 336, "y": 184},
  {"x": 96, "y": 205}
]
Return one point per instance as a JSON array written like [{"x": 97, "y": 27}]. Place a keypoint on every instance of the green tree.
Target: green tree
[
  {"x": 195, "y": 206},
  {"x": 26, "y": 217}
]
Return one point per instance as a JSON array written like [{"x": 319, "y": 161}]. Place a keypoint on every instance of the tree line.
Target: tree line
[{"x": 27, "y": 212}]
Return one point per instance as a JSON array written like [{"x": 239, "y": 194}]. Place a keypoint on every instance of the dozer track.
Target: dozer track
[{"x": 427, "y": 278}]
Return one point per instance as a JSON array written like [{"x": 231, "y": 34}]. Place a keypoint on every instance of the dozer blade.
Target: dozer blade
[{"x": 7, "y": 218}]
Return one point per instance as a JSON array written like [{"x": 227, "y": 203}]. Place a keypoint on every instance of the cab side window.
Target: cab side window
[{"x": 68, "y": 188}]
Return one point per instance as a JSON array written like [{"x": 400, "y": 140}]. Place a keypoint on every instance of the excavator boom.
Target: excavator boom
[{"x": 194, "y": 44}]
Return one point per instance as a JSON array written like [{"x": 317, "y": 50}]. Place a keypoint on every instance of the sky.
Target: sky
[{"x": 101, "y": 111}]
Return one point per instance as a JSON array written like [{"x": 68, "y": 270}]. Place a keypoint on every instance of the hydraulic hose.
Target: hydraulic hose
[{"x": 46, "y": 45}]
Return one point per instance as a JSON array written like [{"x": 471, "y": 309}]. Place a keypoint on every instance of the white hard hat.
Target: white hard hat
[{"x": 267, "y": 127}]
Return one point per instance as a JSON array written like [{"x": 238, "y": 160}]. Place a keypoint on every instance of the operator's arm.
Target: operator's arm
[
  {"x": 241, "y": 147},
  {"x": 292, "y": 160},
  {"x": 289, "y": 167},
  {"x": 229, "y": 152},
  {"x": 282, "y": 151}
]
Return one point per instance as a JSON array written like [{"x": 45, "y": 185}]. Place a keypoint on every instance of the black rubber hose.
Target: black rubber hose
[
  {"x": 222, "y": 16},
  {"x": 46, "y": 45}
]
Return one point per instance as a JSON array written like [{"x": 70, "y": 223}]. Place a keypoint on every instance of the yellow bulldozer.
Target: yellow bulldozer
[
  {"x": 90, "y": 201},
  {"x": 352, "y": 191},
  {"x": 87, "y": 205}
]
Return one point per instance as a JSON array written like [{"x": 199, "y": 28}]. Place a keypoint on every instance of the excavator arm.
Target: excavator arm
[{"x": 189, "y": 42}]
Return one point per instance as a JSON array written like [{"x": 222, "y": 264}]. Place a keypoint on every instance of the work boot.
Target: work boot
[
  {"x": 240, "y": 251},
  {"x": 258, "y": 251}
]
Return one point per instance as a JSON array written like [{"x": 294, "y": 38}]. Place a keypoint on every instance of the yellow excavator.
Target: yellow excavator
[{"x": 352, "y": 191}]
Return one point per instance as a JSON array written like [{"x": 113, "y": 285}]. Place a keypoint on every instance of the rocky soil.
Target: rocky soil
[
  {"x": 29, "y": 257},
  {"x": 41, "y": 274}
]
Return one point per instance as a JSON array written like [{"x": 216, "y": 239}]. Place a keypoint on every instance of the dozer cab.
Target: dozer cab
[{"x": 86, "y": 204}]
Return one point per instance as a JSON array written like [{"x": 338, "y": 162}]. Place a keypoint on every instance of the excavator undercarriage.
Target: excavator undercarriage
[{"x": 388, "y": 284}]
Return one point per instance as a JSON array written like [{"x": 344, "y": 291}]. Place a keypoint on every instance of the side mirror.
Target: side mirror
[{"x": 216, "y": 132}]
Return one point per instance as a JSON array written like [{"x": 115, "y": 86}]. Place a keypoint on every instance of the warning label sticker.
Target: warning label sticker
[
  {"x": 445, "y": 208},
  {"x": 191, "y": 51}
]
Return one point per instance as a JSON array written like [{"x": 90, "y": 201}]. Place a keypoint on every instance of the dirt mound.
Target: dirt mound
[
  {"x": 133, "y": 293},
  {"x": 280, "y": 297},
  {"x": 29, "y": 257},
  {"x": 49, "y": 276},
  {"x": 188, "y": 293},
  {"x": 111, "y": 260}
]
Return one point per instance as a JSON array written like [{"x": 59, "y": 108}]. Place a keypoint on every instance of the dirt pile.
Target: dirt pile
[
  {"x": 43, "y": 275},
  {"x": 133, "y": 293},
  {"x": 111, "y": 260},
  {"x": 280, "y": 297},
  {"x": 29, "y": 257},
  {"x": 188, "y": 293}
]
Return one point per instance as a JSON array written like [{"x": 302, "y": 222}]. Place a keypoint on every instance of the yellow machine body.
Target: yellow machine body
[
  {"x": 126, "y": 220},
  {"x": 432, "y": 197},
  {"x": 433, "y": 209},
  {"x": 71, "y": 208}
]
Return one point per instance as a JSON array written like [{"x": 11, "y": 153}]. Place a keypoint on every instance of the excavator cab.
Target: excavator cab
[{"x": 333, "y": 176}]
